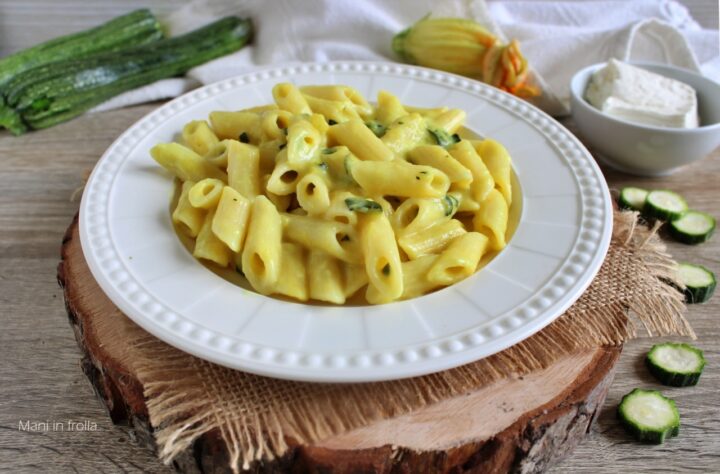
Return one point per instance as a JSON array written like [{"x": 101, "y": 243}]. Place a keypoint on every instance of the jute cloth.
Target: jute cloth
[{"x": 187, "y": 396}]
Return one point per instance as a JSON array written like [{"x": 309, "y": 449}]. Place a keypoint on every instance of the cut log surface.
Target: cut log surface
[{"x": 521, "y": 424}]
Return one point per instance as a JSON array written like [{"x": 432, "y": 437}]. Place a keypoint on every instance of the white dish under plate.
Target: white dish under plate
[{"x": 560, "y": 242}]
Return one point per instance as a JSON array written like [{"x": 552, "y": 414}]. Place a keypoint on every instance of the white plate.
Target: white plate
[{"x": 561, "y": 240}]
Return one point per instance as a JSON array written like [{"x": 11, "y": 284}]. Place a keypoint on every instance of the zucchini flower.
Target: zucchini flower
[{"x": 464, "y": 47}]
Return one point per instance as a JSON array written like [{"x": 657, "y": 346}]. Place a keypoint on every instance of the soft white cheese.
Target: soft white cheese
[{"x": 634, "y": 94}]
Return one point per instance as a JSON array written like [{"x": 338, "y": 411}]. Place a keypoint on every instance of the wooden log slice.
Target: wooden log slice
[{"x": 521, "y": 424}]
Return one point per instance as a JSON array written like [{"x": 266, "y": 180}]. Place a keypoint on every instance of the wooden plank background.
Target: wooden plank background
[{"x": 40, "y": 378}]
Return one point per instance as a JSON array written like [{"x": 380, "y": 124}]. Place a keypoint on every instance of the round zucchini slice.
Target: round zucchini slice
[
  {"x": 675, "y": 364},
  {"x": 665, "y": 205},
  {"x": 693, "y": 227},
  {"x": 649, "y": 416}
]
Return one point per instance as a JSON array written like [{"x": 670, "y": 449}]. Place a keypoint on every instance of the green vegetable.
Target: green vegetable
[
  {"x": 675, "y": 364},
  {"x": 328, "y": 151},
  {"x": 443, "y": 138},
  {"x": 693, "y": 227},
  {"x": 633, "y": 198},
  {"x": 135, "y": 28},
  {"x": 699, "y": 282},
  {"x": 362, "y": 205},
  {"x": 665, "y": 205},
  {"x": 649, "y": 416},
  {"x": 55, "y": 92},
  {"x": 376, "y": 127},
  {"x": 450, "y": 203}
]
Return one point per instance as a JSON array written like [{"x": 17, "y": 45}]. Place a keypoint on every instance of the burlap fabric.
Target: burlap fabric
[{"x": 187, "y": 396}]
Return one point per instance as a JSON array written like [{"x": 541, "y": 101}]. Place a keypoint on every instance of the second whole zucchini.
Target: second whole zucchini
[
  {"x": 44, "y": 96},
  {"x": 135, "y": 28}
]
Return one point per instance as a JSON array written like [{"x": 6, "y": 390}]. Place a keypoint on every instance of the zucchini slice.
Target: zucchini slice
[
  {"x": 649, "y": 416},
  {"x": 675, "y": 364},
  {"x": 633, "y": 198},
  {"x": 665, "y": 205},
  {"x": 699, "y": 282},
  {"x": 693, "y": 227}
]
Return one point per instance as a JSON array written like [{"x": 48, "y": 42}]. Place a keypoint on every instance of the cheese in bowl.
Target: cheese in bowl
[
  {"x": 322, "y": 196},
  {"x": 634, "y": 94}
]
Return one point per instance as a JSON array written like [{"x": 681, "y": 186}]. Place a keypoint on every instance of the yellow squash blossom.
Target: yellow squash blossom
[{"x": 464, "y": 47}]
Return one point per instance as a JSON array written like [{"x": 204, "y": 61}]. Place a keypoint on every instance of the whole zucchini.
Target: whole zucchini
[
  {"x": 55, "y": 92},
  {"x": 137, "y": 27}
]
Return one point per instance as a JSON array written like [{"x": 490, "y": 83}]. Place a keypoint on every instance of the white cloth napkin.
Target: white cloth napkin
[{"x": 558, "y": 37}]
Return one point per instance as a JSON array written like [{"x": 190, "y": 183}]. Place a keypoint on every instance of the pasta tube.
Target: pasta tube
[
  {"x": 293, "y": 282},
  {"x": 189, "y": 218},
  {"x": 432, "y": 239},
  {"x": 243, "y": 168},
  {"x": 497, "y": 160},
  {"x": 262, "y": 252},
  {"x": 234, "y": 124},
  {"x": 325, "y": 278},
  {"x": 415, "y": 281},
  {"x": 339, "y": 240},
  {"x": 389, "y": 108},
  {"x": 208, "y": 246},
  {"x": 289, "y": 98},
  {"x": 437, "y": 157},
  {"x": 399, "y": 178},
  {"x": 231, "y": 218},
  {"x": 405, "y": 133},
  {"x": 185, "y": 163},
  {"x": 199, "y": 137},
  {"x": 360, "y": 140},
  {"x": 205, "y": 194},
  {"x": 492, "y": 219},
  {"x": 382, "y": 259},
  {"x": 482, "y": 182},
  {"x": 459, "y": 260}
]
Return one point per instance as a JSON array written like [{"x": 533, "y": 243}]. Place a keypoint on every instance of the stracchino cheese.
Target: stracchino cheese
[{"x": 634, "y": 94}]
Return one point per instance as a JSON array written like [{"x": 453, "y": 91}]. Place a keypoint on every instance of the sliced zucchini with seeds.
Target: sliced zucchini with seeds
[
  {"x": 665, "y": 205},
  {"x": 675, "y": 364},
  {"x": 632, "y": 198},
  {"x": 699, "y": 282},
  {"x": 649, "y": 416},
  {"x": 693, "y": 227}
]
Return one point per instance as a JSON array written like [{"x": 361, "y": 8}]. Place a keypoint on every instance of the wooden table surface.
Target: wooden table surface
[{"x": 40, "y": 377}]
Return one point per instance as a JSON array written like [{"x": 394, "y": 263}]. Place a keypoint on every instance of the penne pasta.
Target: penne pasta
[
  {"x": 262, "y": 251},
  {"x": 322, "y": 196}
]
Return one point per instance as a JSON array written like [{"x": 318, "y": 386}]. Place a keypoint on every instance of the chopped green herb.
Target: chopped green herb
[
  {"x": 332, "y": 122},
  {"x": 401, "y": 123},
  {"x": 323, "y": 166},
  {"x": 285, "y": 131},
  {"x": 362, "y": 205},
  {"x": 450, "y": 203},
  {"x": 423, "y": 172},
  {"x": 376, "y": 127},
  {"x": 443, "y": 138},
  {"x": 386, "y": 269},
  {"x": 329, "y": 151},
  {"x": 244, "y": 138},
  {"x": 347, "y": 165}
]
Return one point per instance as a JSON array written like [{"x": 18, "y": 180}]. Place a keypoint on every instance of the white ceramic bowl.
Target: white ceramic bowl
[
  {"x": 560, "y": 242},
  {"x": 644, "y": 149}
]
